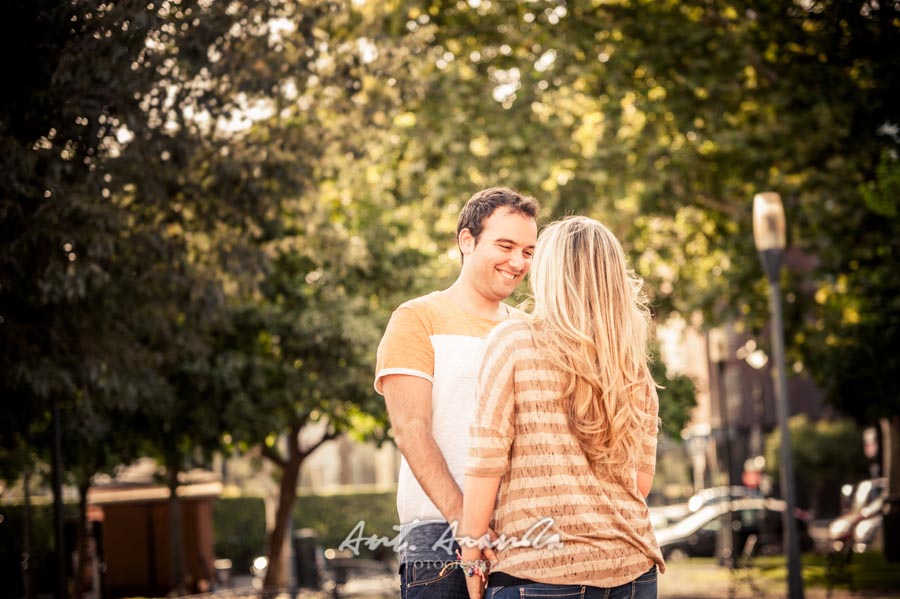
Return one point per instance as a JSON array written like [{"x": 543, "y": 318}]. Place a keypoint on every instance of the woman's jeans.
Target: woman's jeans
[{"x": 642, "y": 587}]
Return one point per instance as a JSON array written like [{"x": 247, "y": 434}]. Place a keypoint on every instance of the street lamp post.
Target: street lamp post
[
  {"x": 718, "y": 355},
  {"x": 770, "y": 239}
]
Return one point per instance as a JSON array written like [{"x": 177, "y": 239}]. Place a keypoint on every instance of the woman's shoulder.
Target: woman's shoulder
[
  {"x": 513, "y": 331},
  {"x": 514, "y": 326}
]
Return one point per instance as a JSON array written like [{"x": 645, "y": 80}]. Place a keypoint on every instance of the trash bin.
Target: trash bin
[
  {"x": 306, "y": 561},
  {"x": 222, "y": 570}
]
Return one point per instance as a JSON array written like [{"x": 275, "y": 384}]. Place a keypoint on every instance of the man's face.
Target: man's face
[{"x": 502, "y": 256}]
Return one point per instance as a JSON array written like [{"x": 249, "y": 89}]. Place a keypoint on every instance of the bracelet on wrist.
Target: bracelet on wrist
[{"x": 479, "y": 567}]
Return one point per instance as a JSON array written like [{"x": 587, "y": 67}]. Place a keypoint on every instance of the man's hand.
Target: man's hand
[{"x": 485, "y": 544}]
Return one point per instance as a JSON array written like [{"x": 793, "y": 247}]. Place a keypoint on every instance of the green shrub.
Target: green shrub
[
  {"x": 239, "y": 523},
  {"x": 334, "y": 517},
  {"x": 239, "y": 528}
]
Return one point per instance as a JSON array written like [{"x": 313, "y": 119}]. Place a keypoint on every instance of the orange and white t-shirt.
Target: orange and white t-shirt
[{"x": 433, "y": 338}]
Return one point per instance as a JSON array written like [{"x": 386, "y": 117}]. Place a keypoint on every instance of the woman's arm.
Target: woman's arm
[
  {"x": 478, "y": 505},
  {"x": 644, "y": 482}
]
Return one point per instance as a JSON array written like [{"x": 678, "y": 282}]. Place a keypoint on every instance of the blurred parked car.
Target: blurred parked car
[
  {"x": 667, "y": 515},
  {"x": 866, "y": 533},
  {"x": 715, "y": 495},
  {"x": 695, "y": 535},
  {"x": 855, "y": 529}
]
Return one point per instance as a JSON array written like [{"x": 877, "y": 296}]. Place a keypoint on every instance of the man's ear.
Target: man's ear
[{"x": 466, "y": 242}]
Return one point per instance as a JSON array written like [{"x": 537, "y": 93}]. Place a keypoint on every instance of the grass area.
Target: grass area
[{"x": 864, "y": 572}]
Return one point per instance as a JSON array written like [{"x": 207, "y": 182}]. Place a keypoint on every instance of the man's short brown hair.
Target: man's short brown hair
[{"x": 483, "y": 204}]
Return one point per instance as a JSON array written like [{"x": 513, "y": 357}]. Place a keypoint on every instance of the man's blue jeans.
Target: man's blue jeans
[
  {"x": 432, "y": 580},
  {"x": 428, "y": 565},
  {"x": 642, "y": 587}
]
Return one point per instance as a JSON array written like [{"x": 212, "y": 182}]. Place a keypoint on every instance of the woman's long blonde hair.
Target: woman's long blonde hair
[{"x": 591, "y": 320}]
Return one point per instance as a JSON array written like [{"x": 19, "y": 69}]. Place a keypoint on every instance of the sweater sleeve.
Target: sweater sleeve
[
  {"x": 647, "y": 461},
  {"x": 493, "y": 428}
]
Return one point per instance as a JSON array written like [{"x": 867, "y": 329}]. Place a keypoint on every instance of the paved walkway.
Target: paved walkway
[
  {"x": 691, "y": 580},
  {"x": 682, "y": 580}
]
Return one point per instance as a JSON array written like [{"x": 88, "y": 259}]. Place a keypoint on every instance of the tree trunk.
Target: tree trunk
[
  {"x": 890, "y": 434},
  {"x": 81, "y": 539},
  {"x": 890, "y": 438},
  {"x": 176, "y": 546},
  {"x": 27, "y": 562},
  {"x": 290, "y": 472}
]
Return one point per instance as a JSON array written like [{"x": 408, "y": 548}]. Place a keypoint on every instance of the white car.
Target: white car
[{"x": 663, "y": 516}]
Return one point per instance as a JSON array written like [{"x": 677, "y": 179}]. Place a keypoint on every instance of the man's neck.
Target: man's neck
[{"x": 473, "y": 302}]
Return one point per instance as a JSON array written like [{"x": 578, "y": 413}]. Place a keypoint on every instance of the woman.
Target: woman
[{"x": 563, "y": 445}]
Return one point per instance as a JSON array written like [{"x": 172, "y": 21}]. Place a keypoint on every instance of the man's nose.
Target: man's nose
[{"x": 518, "y": 261}]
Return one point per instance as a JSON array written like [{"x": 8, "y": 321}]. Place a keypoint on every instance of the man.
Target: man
[{"x": 427, "y": 366}]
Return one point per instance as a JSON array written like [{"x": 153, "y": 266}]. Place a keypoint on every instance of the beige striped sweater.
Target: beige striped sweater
[{"x": 560, "y": 522}]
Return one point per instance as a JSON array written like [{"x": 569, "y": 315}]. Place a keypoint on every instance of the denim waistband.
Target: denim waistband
[{"x": 428, "y": 542}]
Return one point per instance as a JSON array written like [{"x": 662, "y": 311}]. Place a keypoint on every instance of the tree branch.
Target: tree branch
[
  {"x": 327, "y": 436},
  {"x": 273, "y": 456}
]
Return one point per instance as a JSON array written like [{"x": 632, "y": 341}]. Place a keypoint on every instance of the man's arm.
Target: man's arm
[{"x": 408, "y": 400}]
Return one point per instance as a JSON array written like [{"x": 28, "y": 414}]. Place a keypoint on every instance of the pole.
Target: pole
[
  {"x": 726, "y": 550},
  {"x": 795, "y": 580},
  {"x": 59, "y": 548}
]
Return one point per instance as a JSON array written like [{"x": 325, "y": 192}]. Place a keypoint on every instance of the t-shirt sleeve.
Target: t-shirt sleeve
[
  {"x": 492, "y": 431},
  {"x": 647, "y": 461},
  {"x": 405, "y": 347}
]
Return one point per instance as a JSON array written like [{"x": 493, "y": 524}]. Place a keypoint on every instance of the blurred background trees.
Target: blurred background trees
[{"x": 208, "y": 209}]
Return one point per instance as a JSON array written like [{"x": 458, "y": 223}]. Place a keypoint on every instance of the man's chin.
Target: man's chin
[{"x": 507, "y": 288}]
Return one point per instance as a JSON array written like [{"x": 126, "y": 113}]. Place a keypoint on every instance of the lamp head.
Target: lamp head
[{"x": 768, "y": 222}]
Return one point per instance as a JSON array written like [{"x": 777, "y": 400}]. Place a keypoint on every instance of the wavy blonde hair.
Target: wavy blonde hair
[{"x": 591, "y": 320}]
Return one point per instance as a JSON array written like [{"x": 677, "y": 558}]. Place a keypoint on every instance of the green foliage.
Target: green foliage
[
  {"x": 882, "y": 195},
  {"x": 868, "y": 572},
  {"x": 663, "y": 119},
  {"x": 857, "y": 309},
  {"x": 677, "y": 399},
  {"x": 819, "y": 448},
  {"x": 239, "y": 530}
]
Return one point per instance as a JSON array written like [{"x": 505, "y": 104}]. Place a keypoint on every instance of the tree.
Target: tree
[
  {"x": 334, "y": 251},
  {"x": 677, "y": 399},
  {"x": 108, "y": 240},
  {"x": 298, "y": 353},
  {"x": 671, "y": 116}
]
